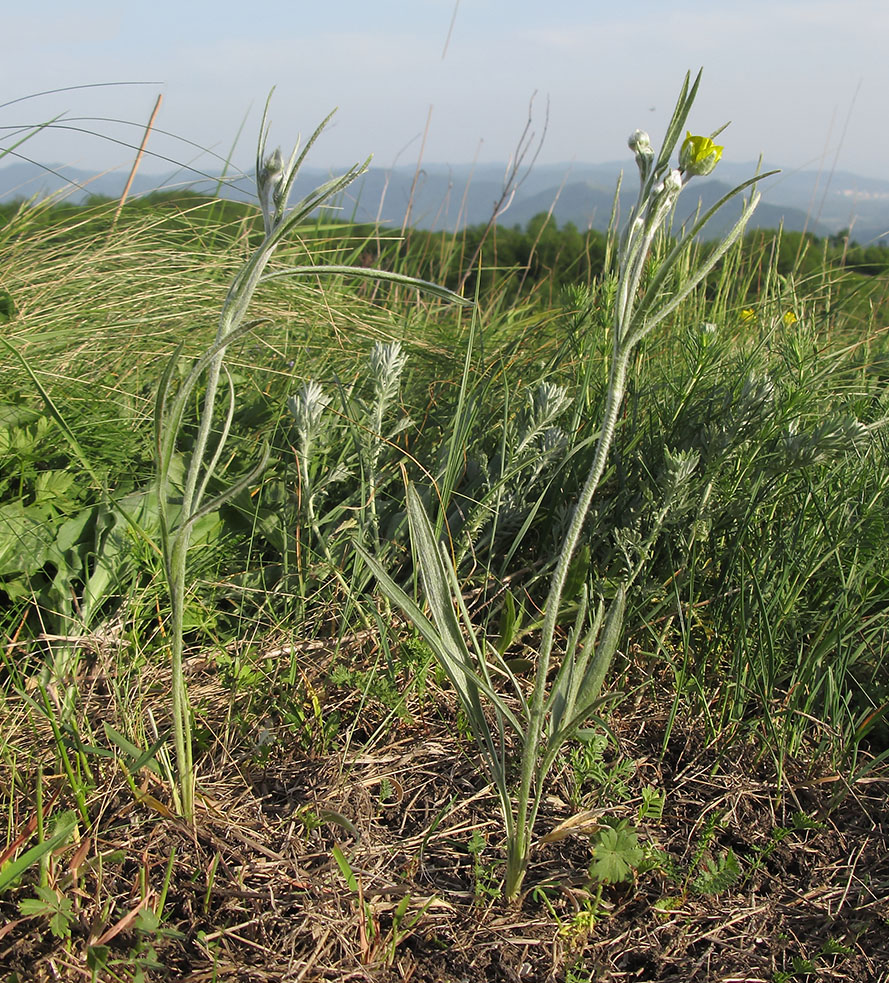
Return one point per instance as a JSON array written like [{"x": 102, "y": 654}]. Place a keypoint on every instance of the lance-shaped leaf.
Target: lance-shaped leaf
[
  {"x": 457, "y": 664},
  {"x": 370, "y": 274},
  {"x": 583, "y": 697},
  {"x": 592, "y": 673},
  {"x": 10, "y": 872}
]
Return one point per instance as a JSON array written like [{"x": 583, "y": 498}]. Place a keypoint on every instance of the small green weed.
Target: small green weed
[
  {"x": 592, "y": 777},
  {"x": 760, "y": 854},
  {"x": 616, "y": 853},
  {"x": 704, "y": 873},
  {"x": 652, "y": 805},
  {"x": 313, "y": 727},
  {"x": 484, "y": 879},
  {"x": 802, "y": 966},
  {"x": 618, "y": 856},
  {"x": 53, "y": 905}
]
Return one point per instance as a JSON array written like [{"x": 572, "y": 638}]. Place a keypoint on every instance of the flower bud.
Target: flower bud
[
  {"x": 639, "y": 142},
  {"x": 307, "y": 407},
  {"x": 273, "y": 167},
  {"x": 269, "y": 184},
  {"x": 698, "y": 156},
  {"x": 708, "y": 333}
]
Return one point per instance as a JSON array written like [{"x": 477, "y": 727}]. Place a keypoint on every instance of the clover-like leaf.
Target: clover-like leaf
[
  {"x": 616, "y": 854},
  {"x": 54, "y": 906}
]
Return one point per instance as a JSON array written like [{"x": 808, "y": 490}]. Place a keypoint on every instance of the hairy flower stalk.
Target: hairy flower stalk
[
  {"x": 176, "y": 539},
  {"x": 634, "y": 318},
  {"x": 198, "y": 474},
  {"x": 561, "y": 702}
]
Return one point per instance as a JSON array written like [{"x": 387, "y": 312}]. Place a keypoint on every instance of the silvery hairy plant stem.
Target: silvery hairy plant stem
[
  {"x": 308, "y": 408},
  {"x": 543, "y": 720},
  {"x": 386, "y": 363},
  {"x": 634, "y": 317},
  {"x": 274, "y": 181}
]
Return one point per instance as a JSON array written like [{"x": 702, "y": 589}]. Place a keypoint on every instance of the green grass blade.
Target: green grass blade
[{"x": 10, "y": 872}]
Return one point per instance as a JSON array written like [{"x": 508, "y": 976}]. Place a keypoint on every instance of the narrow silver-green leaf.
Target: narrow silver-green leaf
[
  {"x": 563, "y": 695},
  {"x": 455, "y": 665},
  {"x": 370, "y": 274},
  {"x": 435, "y": 583},
  {"x": 594, "y": 675}
]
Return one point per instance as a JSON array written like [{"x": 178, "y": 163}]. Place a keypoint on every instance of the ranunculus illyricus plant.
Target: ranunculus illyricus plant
[
  {"x": 698, "y": 156},
  {"x": 545, "y": 710}
]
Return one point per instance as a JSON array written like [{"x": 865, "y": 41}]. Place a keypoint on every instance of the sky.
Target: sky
[{"x": 803, "y": 82}]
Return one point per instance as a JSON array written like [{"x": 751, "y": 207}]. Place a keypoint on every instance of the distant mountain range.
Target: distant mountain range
[{"x": 442, "y": 197}]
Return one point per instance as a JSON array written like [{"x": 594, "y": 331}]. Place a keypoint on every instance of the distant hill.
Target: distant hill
[{"x": 448, "y": 197}]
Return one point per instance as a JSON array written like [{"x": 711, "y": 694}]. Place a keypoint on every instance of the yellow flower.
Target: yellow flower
[
  {"x": 698, "y": 156},
  {"x": 789, "y": 318},
  {"x": 748, "y": 314}
]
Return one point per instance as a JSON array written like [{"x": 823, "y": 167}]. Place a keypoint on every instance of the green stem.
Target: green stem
[
  {"x": 519, "y": 848},
  {"x": 234, "y": 308},
  {"x": 41, "y": 832},
  {"x": 181, "y": 709}
]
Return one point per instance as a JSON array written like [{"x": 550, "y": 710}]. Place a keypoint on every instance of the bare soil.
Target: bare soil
[{"x": 256, "y": 892}]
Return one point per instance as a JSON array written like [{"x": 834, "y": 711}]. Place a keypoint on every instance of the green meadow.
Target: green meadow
[{"x": 504, "y": 604}]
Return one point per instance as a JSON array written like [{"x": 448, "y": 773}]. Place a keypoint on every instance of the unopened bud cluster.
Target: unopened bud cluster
[
  {"x": 640, "y": 143},
  {"x": 270, "y": 183},
  {"x": 307, "y": 407},
  {"x": 386, "y": 362},
  {"x": 698, "y": 157}
]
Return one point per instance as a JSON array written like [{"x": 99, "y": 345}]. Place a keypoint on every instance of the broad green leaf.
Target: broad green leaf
[
  {"x": 13, "y": 415},
  {"x": 53, "y": 486},
  {"x": 74, "y": 530},
  {"x": 26, "y": 538},
  {"x": 616, "y": 854}
]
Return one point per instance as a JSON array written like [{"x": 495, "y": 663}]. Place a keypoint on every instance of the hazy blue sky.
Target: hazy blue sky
[{"x": 804, "y": 82}]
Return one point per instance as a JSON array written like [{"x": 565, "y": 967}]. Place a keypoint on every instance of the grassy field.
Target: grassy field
[{"x": 258, "y": 725}]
